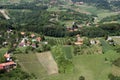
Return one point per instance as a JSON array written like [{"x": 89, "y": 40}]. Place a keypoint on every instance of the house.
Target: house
[
  {"x": 32, "y": 35},
  {"x": 33, "y": 45},
  {"x": 79, "y": 40},
  {"x": 38, "y": 39},
  {"x": 5, "y": 43},
  {"x": 92, "y": 42},
  {"x": 109, "y": 38},
  {"x": 28, "y": 43},
  {"x": 23, "y": 42},
  {"x": 7, "y": 56},
  {"x": 7, "y": 66},
  {"x": 22, "y": 33},
  {"x": 79, "y": 3}
]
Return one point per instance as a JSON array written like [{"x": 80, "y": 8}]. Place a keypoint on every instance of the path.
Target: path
[{"x": 4, "y": 14}]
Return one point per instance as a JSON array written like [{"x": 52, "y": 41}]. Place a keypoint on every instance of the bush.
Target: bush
[
  {"x": 117, "y": 62},
  {"x": 65, "y": 65},
  {"x": 81, "y": 78},
  {"x": 112, "y": 77}
]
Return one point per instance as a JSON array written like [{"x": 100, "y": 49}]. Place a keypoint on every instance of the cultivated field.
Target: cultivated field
[
  {"x": 31, "y": 64},
  {"x": 116, "y": 39},
  {"x": 48, "y": 62}
]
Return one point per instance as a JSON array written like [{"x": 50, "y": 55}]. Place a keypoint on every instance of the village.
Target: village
[{"x": 59, "y": 40}]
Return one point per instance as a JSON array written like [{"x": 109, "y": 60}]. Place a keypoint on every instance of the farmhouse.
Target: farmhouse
[
  {"x": 79, "y": 40},
  {"x": 32, "y": 35},
  {"x": 22, "y": 33},
  {"x": 79, "y": 3}
]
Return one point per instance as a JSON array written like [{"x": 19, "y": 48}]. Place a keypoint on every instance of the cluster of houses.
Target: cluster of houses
[
  {"x": 29, "y": 41},
  {"x": 80, "y": 41},
  {"x": 94, "y": 41},
  {"x": 23, "y": 41},
  {"x": 9, "y": 64}
]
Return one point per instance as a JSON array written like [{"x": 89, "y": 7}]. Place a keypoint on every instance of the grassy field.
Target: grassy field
[
  {"x": 92, "y": 67},
  {"x": 30, "y": 64},
  {"x": 105, "y": 46},
  {"x": 68, "y": 51}
]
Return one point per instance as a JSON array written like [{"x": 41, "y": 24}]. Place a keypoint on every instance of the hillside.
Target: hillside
[{"x": 59, "y": 40}]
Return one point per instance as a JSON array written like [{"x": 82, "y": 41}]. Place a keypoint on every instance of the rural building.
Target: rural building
[{"x": 79, "y": 40}]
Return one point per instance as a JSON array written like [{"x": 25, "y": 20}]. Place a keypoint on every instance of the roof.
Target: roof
[
  {"x": 6, "y": 55},
  {"x": 6, "y": 64},
  {"x": 22, "y": 33},
  {"x": 32, "y": 35}
]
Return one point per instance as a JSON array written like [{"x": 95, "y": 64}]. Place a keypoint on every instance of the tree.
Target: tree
[
  {"x": 81, "y": 78},
  {"x": 65, "y": 65}
]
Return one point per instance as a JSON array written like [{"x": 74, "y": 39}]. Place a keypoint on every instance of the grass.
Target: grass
[
  {"x": 92, "y": 67},
  {"x": 69, "y": 23},
  {"x": 106, "y": 14},
  {"x": 2, "y": 52},
  {"x": 105, "y": 46},
  {"x": 68, "y": 51},
  {"x": 30, "y": 64}
]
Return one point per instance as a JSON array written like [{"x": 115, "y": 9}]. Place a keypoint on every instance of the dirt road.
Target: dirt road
[{"x": 4, "y": 14}]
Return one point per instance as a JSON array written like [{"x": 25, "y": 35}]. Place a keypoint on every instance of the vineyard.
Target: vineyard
[
  {"x": 61, "y": 41},
  {"x": 105, "y": 46}
]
